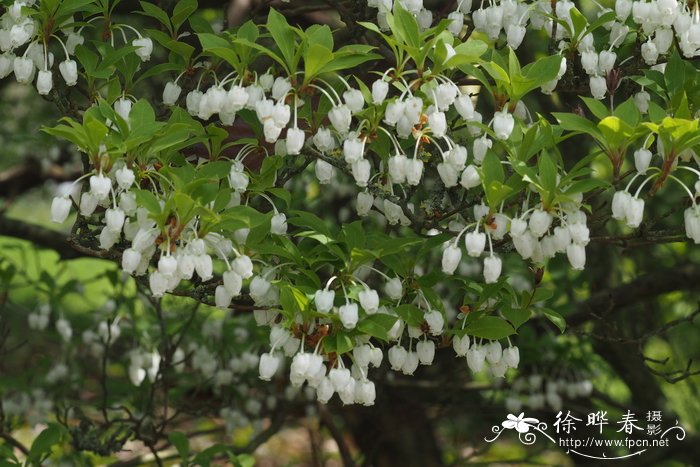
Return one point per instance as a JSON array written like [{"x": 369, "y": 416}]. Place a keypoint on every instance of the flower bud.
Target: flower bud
[{"x": 577, "y": 256}]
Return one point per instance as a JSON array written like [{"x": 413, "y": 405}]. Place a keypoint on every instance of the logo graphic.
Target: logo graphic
[{"x": 565, "y": 426}]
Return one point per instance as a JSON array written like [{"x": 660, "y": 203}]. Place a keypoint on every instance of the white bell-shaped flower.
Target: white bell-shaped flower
[
  {"x": 397, "y": 168},
  {"x": 425, "y": 349},
  {"x": 492, "y": 269},
  {"x": 475, "y": 242},
  {"x": 145, "y": 48},
  {"x": 348, "y": 315},
  {"x": 494, "y": 352},
  {"x": 278, "y": 224},
  {"x": 295, "y": 141},
  {"x": 635, "y": 212},
  {"x": 380, "y": 89},
  {"x": 60, "y": 208},
  {"x": 503, "y": 124},
  {"x": 414, "y": 171},
  {"x": 451, "y": 257},
  {"x": 324, "y": 172},
  {"x": 365, "y": 201},
  {"x": 130, "y": 260},
  {"x": 410, "y": 365},
  {"x": 642, "y": 159},
  {"x": 243, "y": 266},
  {"x": 540, "y": 221},
  {"x": 354, "y": 100},
  {"x": 233, "y": 283},
  {"x": 69, "y": 72},
  {"x": 340, "y": 117},
  {"x": 323, "y": 299},
  {"x": 171, "y": 93},
  {"x": 397, "y": 357},
  {"x": 470, "y": 177},
  {"x": 394, "y": 288},
  {"x": 599, "y": 87},
  {"x": 369, "y": 300},
  {"x": 460, "y": 345},
  {"x": 125, "y": 178}
]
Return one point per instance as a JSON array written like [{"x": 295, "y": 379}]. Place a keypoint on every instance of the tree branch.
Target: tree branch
[
  {"x": 39, "y": 236},
  {"x": 644, "y": 287}
]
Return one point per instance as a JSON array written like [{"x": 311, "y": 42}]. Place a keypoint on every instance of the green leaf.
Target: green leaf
[
  {"x": 597, "y": 108},
  {"x": 490, "y": 327},
  {"x": 148, "y": 200},
  {"x": 309, "y": 220},
  {"x": 411, "y": 314},
  {"x": 338, "y": 343},
  {"x": 406, "y": 26},
  {"x": 517, "y": 316},
  {"x": 183, "y": 9},
  {"x": 283, "y": 35},
  {"x": 41, "y": 447},
  {"x": 181, "y": 443},
  {"x": 315, "y": 59},
  {"x": 149, "y": 9},
  {"x": 377, "y": 325},
  {"x": 547, "y": 172},
  {"x": 572, "y": 122},
  {"x": 555, "y": 318},
  {"x": 219, "y": 47}
]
